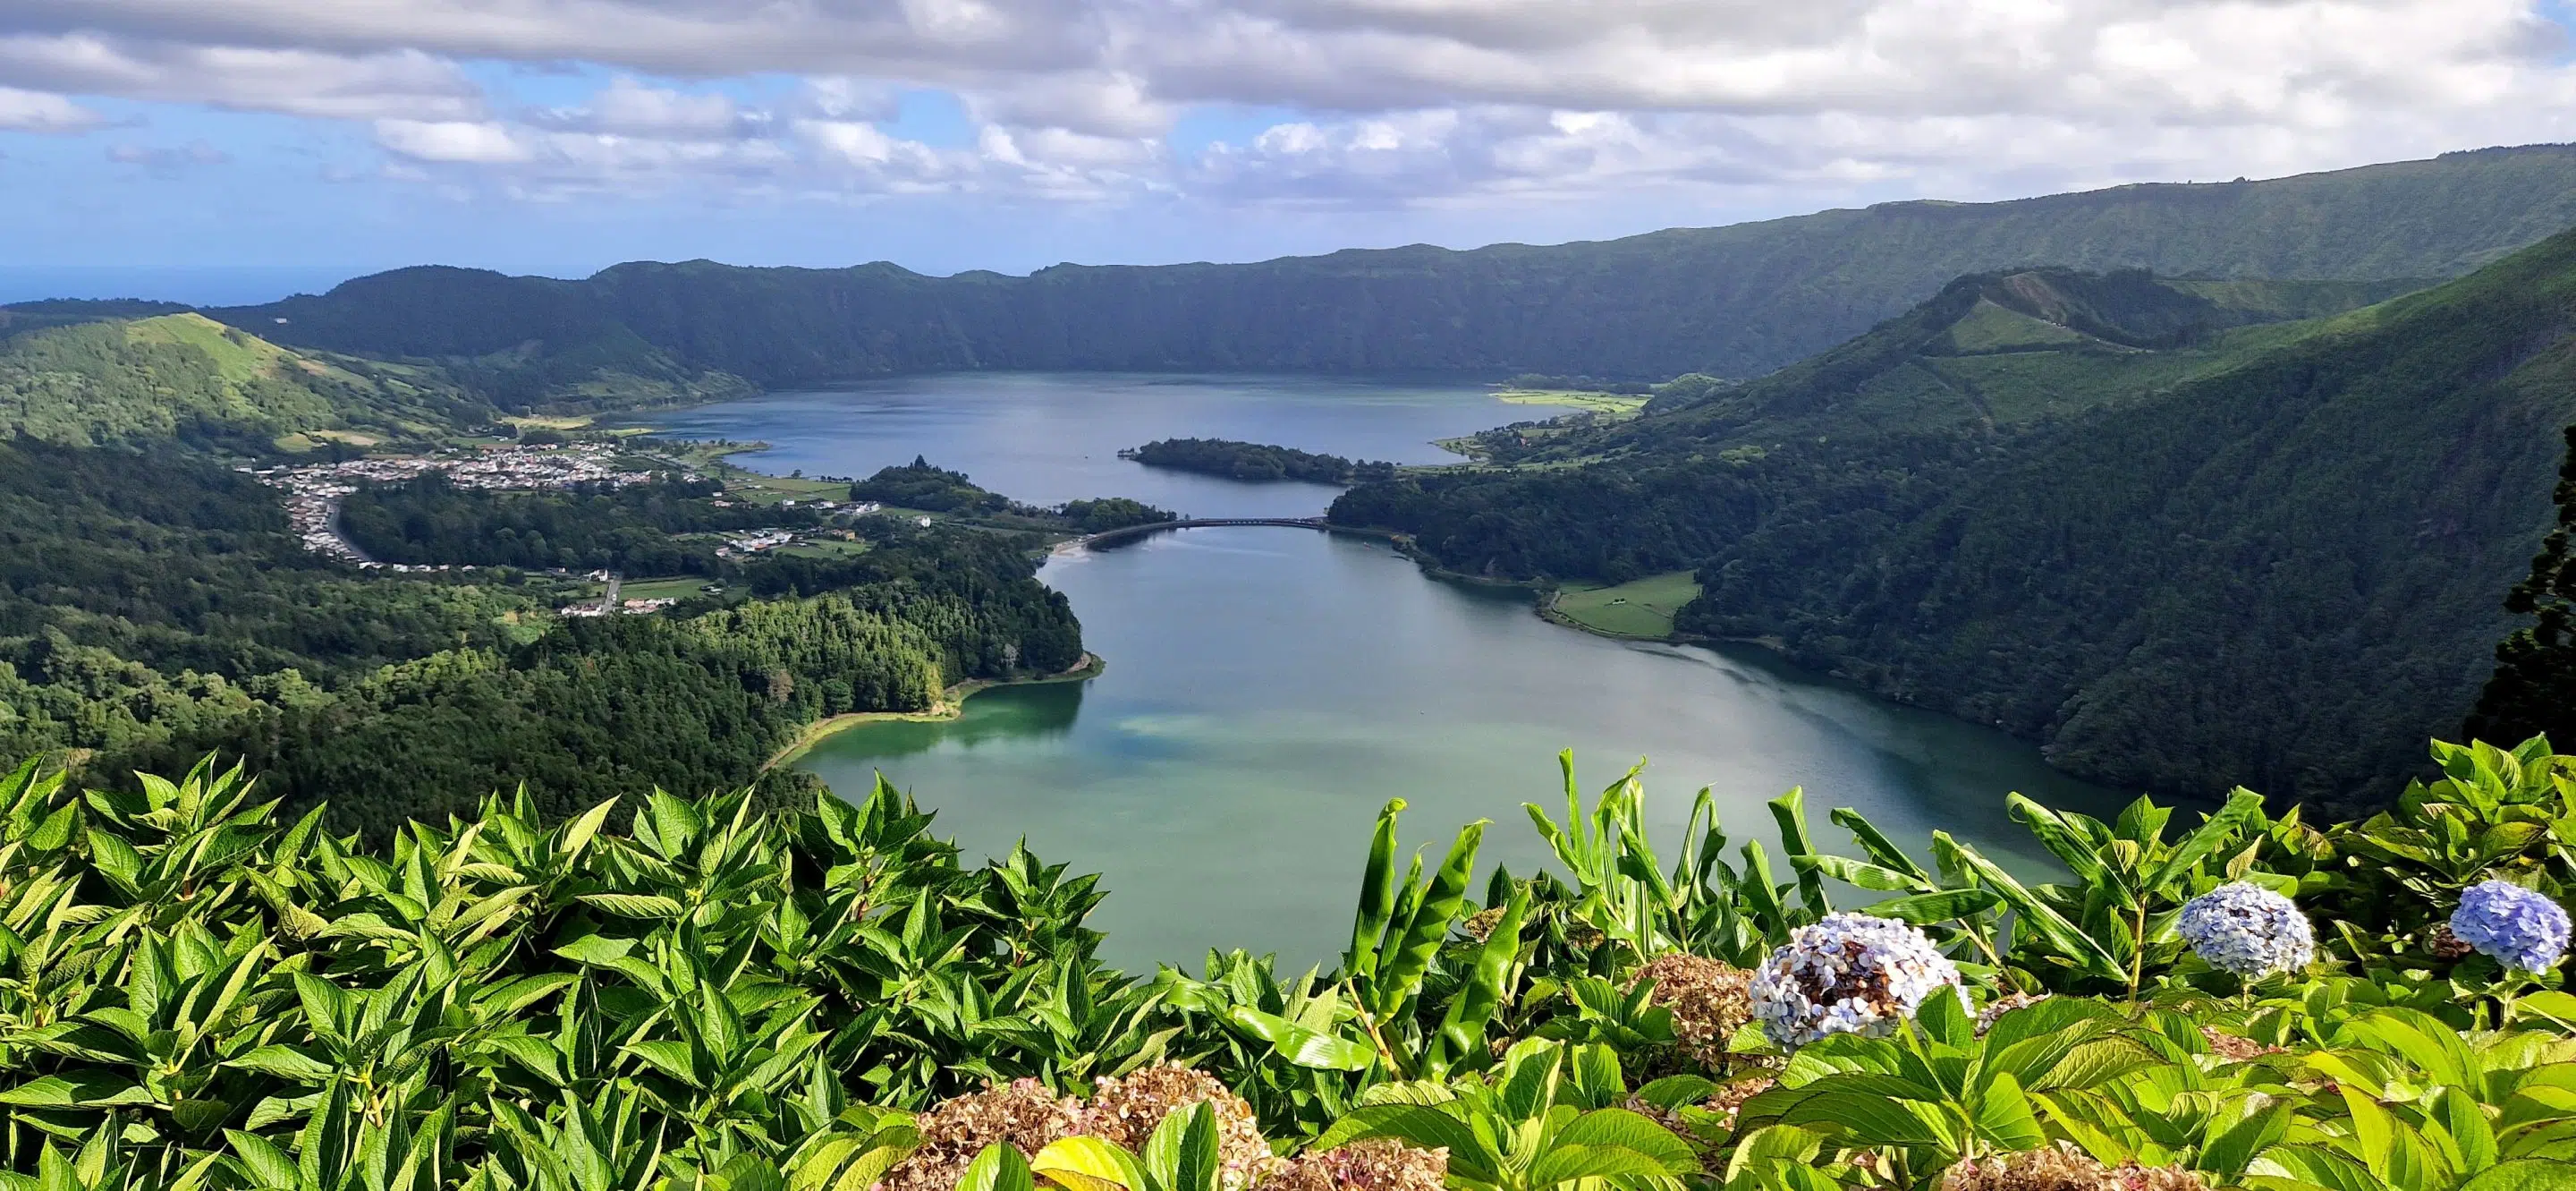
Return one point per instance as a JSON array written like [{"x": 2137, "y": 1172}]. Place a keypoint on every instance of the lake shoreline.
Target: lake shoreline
[{"x": 951, "y": 704}]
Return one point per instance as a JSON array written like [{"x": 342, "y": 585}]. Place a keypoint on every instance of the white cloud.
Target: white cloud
[
  {"x": 453, "y": 141},
  {"x": 1404, "y": 101},
  {"x": 35, "y": 111},
  {"x": 298, "y": 82},
  {"x": 630, "y": 108}
]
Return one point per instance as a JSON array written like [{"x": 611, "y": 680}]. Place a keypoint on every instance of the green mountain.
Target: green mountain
[
  {"x": 2245, "y": 557},
  {"x": 183, "y": 375},
  {"x": 1732, "y": 301}
]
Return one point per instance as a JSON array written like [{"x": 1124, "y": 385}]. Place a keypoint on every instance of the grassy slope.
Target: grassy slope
[
  {"x": 1639, "y": 608},
  {"x": 186, "y": 375},
  {"x": 1995, "y": 350}
]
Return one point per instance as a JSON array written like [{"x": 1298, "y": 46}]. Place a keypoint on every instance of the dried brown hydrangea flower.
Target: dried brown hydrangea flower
[
  {"x": 1022, "y": 1112},
  {"x": 1731, "y": 1098},
  {"x": 2065, "y": 1168},
  {"x": 1380, "y": 1164},
  {"x": 1709, "y": 1002},
  {"x": 1126, "y": 1110},
  {"x": 1987, "y": 1017},
  {"x": 2233, "y": 1048},
  {"x": 2447, "y": 946}
]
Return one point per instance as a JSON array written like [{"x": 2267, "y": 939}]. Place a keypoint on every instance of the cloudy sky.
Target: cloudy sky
[{"x": 559, "y": 136}]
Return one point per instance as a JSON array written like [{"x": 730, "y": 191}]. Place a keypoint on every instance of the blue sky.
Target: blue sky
[{"x": 258, "y": 144}]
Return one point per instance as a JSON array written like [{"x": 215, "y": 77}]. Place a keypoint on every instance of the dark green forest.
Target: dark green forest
[
  {"x": 922, "y": 484},
  {"x": 1255, "y": 462},
  {"x": 2228, "y": 560},
  {"x": 1733, "y": 301}
]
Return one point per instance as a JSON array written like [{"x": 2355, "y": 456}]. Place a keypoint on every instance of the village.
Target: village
[
  {"x": 313, "y": 493},
  {"x": 313, "y": 490}
]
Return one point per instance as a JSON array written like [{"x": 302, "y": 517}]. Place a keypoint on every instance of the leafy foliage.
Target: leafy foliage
[{"x": 198, "y": 993}]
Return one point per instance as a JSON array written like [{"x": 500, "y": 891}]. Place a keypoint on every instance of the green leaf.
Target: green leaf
[
  {"x": 1862, "y": 874},
  {"x": 2243, "y": 806},
  {"x": 1198, "y": 1168},
  {"x": 1302, "y": 1046},
  {"x": 670, "y": 1057},
  {"x": 2525, "y": 1174},
  {"x": 1621, "y": 1129},
  {"x": 998, "y": 1168},
  {"x": 78, "y": 1089},
  {"x": 1563, "y": 1164},
  {"x": 1417, "y": 940},
  {"x": 284, "y": 1062},
  {"x": 2228, "y": 1153},
  {"x": 263, "y": 1160},
  {"x": 1868, "y": 1119},
  {"x": 1377, "y": 895},
  {"x": 1088, "y": 1164},
  {"x": 1462, "y": 1027},
  {"x": 1924, "y": 909},
  {"x": 636, "y": 905}
]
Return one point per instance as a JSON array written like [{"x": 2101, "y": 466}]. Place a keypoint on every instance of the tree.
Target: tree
[{"x": 2533, "y": 691}]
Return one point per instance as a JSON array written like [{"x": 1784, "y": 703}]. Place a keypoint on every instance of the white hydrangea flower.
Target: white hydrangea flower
[
  {"x": 2246, "y": 929},
  {"x": 1849, "y": 974}
]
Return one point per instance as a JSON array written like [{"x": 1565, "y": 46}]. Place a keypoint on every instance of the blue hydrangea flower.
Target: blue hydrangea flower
[
  {"x": 2246, "y": 929},
  {"x": 1849, "y": 974},
  {"x": 2517, "y": 927}
]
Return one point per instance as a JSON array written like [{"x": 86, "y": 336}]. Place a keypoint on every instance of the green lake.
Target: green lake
[{"x": 1269, "y": 689}]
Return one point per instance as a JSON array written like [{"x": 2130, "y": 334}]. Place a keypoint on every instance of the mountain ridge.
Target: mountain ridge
[{"x": 1737, "y": 300}]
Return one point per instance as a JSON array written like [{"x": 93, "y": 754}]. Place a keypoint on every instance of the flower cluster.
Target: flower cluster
[
  {"x": 2065, "y": 1168},
  {"x": 2248, "y": 930},
  {"x": 1127, "y": 1110},
  {"x": 1022, "y": 1112},
  {"x": 1028, "y": 1116},
  {"x": 1377, "y": 1165},
  {"x": 1849, "y": 974},
  {"x": 1709, "y": 1001},
  {"x": 2513, "y": 925}
]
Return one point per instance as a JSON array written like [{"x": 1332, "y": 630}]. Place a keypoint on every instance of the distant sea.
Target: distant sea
[{"x": 195, "y": 285}]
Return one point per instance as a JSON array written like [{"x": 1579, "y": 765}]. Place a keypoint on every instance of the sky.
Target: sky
[{"x": 277, "y": 144}]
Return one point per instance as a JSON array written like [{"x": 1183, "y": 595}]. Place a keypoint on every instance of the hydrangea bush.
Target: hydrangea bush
[
  {"x": 1849, "y": 974},
  {"x": 2245, "y": 929},
  {"x": 2512, "y": 925}
]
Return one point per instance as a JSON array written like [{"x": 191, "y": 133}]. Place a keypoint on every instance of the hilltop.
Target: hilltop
[
  {"x": 123, "y": 381},
  {"x": 2239, "y": 558},
  {"x": 1731, "y": 301}
]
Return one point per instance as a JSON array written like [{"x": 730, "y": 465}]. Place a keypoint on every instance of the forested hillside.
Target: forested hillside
[
  {"x": 2236, "y": 561},
  {"x": 154, "y": 606},
  {"x": 1731, "y": 301}
]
